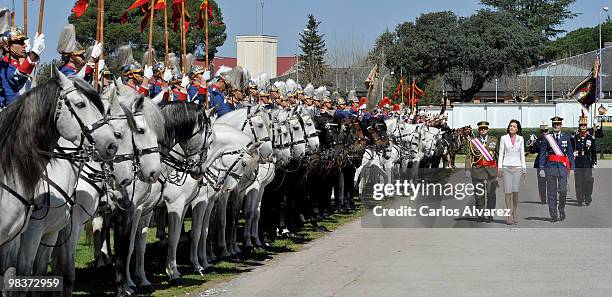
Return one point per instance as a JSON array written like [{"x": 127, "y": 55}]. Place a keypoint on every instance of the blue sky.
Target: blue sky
[{"x": 347, "y": 25}]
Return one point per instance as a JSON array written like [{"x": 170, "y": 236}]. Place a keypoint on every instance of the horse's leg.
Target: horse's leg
[
  {"x": 133, "y": 233},
  {"x": 122, "y": 225},
  {"x": 63, "y": 258},
  {"x": 237, "y": 209},
  {"x": 204, "y": 245},
  {"x": 222, "y": 220},
  {"x": 256, "y": 217},
  {"x": 197, "y": 218},
  {"x": 140, "y": 246},
  {"x": 249, "y": 214},
  {"x": 31, "y": 238},
  {"x": 232, "y": 205},
  {"x": 174, "y": 233},
  {"x": 160, "y": 223},
  {"x": 100, "y": 224},
  {"x": 41, "y": 262}
]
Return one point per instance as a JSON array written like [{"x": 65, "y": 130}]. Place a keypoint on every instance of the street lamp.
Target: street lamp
[
  {"x": 605, "y": 8},
  {"x": 297, "y": 60},
  {"x": 382, "y": 85},
  {"x": 545, "y": 79}
]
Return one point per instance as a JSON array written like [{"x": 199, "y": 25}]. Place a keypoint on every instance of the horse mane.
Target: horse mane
[
  {"x": 27, "y": 127},
  {"x": 181, "y": 119},
  {"x": 154, "y": 117}
]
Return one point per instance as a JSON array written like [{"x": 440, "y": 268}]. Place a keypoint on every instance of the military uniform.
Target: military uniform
[
  {"x": 535, "y": 149},
  {"x": 585, "y": 159},
  {"x": 483, "y": 171},
  {"x": 556, "y": 167}
]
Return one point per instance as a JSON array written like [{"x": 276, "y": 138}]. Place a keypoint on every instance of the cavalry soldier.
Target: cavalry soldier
[
  {"x": 292, "y": 92},
  {"x": 309, "y": 92},
  {"x": 73, "y": 55},
  {"x": 556, "y": 160},
  {"x": 197, "y": 90},
  {"x": 252, "y": 92},
  {"x": 342, "y": 112},
  {"x": 585, "y": 160},
  {"x": 481, "y": 166},
  {"x": 217, "y": 92},
  {"x": 135, "y": 76},
  {"x": 17, "y": 62},
  {"x": 534, "y": 148}
]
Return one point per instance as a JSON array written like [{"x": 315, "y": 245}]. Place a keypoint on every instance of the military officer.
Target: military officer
[
  {"x": 585, "y": 160},
  {"x": 556, "y": 160},
  {"x": 481, "y": 166},
  {"x": 534, "y": 148}
]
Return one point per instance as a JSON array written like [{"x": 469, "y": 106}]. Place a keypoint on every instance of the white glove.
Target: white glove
[
  {"x": 468, "y": 173},
  {"x": 185, "y": 81},
  {"x": 167, "y": 75},
  {"x": 39, "y": 44},
  {"x": 362, "y": 107},
  {"x": 27, "y": 46},
  {"x": 96, "y": 51},
  {"x": 148, "y": 72},
  {"x": 542, "y": 174},
  {"x": 101, "y": 66},
  {"x": 206, "y": 75}
]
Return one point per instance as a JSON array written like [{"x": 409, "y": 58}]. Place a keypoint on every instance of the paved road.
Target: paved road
[{"x": 502, "y": 261}]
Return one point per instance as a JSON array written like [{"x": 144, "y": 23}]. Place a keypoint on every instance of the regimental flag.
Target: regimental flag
[
  {"x": 80, "y": 7},
  {"x": 416, "y": 93},
  {"x": 586, "y": 92},
  {"x": 372, "y": 77},
  {"x": 176, "y": 16},
  {"x": 159, "y": 4},
  {"x": 205, "y": 7},
  {"x": 400, "y": 88}
]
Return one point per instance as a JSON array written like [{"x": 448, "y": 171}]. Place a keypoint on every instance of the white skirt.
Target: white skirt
[{"x": 512, "y": 179}]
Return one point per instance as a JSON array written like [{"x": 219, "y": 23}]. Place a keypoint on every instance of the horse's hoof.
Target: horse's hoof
[
  {"x": 175, "y": 282},
  {"x": 199, "y": 271},
  {"x": 126, "y": 293},
  {"x": 133, "y": 288},
  {"x": 148, "y": 289}
]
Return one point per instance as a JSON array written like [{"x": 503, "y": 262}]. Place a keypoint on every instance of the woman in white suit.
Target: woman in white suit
[{"x": 512, "y": 165}]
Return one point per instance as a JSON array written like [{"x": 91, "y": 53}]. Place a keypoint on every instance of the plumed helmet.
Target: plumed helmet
[
  {"x": 189, "y": 62},
  {"x": 159, "y": 68},
  {"x": 292, "y": 88},
  {"x": 281, "y": 88},
  {"x": 263, "y": 83},
  {"x": 309, "y": 91},
  {"x": 125, "y": 56},
  {"x": 67, "y": 43},
  {"x": 5, "y": 20},
  {"x": 145, "y": 57},
  {"x": 195, "y": 70},
  {"x": 352, "y": 96},
  {"x": 235, "y": 79},
  {"x": 174, "y": 64},
  {"x": 321, "y": 94}
]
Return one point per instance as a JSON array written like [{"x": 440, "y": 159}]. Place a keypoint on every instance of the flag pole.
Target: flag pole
[
  {"x": 41, "y": 15},
  {"x": 206, "y": 30},
  {"x": 25, "y": 17},
  {"x": 166, "y": 31},
  {"x": 152, "y": 16},
  {"x": 98, "y": 33},
  {"x": 183, "y": 35}
]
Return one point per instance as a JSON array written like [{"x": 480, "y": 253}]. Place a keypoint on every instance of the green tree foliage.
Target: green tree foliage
[
  {"x": 312, "y": 59},
  {"x": 467, "y": 51},
  {"x": 579, "y": 41},
  {"x": 543, "y": 16},
  {"x": 117, "y": 34}
]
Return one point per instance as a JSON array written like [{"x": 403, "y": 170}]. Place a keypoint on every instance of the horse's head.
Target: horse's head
[
  {"x": 310, "y": 132},
  {"x": 281, "y": 140},
  {"x": 79, "y": 116},
  {"x": 260, "y": 125}
]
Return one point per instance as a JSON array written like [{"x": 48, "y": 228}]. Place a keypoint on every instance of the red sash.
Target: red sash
[
  {"x": 485, "y": 163},
  {"x": 561, "y": 159}
]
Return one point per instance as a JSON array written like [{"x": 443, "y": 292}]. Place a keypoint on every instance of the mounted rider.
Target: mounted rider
[
  {"x": 197, "y": 89},
  {"x": 135, "y": 77},
  {"x": 217, "y": 92},
  {"x": 156, "y": 83},
  {"x": 73, "y": 55},
  {"x": 18, "y": 59}
]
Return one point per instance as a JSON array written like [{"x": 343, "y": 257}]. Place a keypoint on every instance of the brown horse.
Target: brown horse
[{"x": 456, "y": 141}]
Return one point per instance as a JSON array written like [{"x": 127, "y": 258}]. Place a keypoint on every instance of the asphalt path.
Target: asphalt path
[{"x": 458, "y": 257}]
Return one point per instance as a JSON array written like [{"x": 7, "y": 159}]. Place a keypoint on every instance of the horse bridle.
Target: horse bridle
[
  {"x": 210, "y": 176},
  {"x": 184, "y": 165},
  {"x": 137, "y": 153},
  {"x": 249, "y": 121},
  {"x": 86, "y": 131}
]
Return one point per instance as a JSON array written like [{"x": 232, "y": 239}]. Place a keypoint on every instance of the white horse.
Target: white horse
[
  {"x": 149, "y": 127},
  {"x": 31, "y": 126}
]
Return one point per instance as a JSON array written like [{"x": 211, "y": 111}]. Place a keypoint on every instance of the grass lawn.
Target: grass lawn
[{"x": 99, "y": 282}]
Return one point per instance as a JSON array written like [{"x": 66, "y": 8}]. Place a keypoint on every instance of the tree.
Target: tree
[
  {"x": 543, "y": 16},
  {"x": 467, "y": 51},
  {"x": 117, "y": 34},
  {"x": 579, "y": 41},
  {"x": 313, "y": 53}
]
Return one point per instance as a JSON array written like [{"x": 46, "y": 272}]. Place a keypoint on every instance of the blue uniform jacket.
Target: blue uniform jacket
[
  {"x": 155, "y": 89},
  {"x": 68, "y": 71},
  {"x": 565, "y": 144},
  {"x": 11, "y": 82},
  {"x": 342, "y": 114},
  {"x": 194, "y": 95},
  {"x": 217, "y": 99}
]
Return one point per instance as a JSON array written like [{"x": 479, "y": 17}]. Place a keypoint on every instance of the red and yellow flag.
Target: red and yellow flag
[{"x": 80, "y": 7}]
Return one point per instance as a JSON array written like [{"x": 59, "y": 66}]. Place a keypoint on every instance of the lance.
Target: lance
[
  {"x": 166, "y": 31},
  {"x": 41, "y": 15},
  {"x": 151, "y": 33},
  {"x": 25, "y": 17},
  {"x": 99, "y": 39},
  {"x": 183, "y": 35},
  {"x": 206, "y": 30}
]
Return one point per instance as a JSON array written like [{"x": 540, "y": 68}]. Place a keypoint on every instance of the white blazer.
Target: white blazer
[{"x": 512, "y": 155}]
